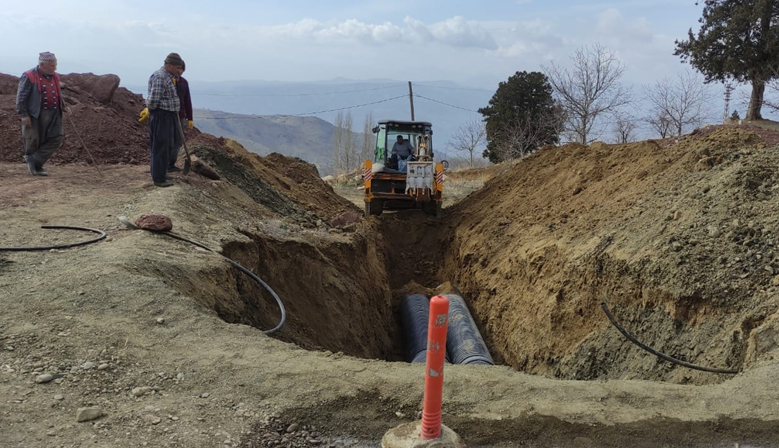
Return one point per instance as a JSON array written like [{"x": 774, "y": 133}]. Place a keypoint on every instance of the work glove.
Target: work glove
[
  {"x": 190, "y": 125},
  {"x": 144, "y": 115}
]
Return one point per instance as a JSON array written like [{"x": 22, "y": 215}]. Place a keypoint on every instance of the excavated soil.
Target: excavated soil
[
  {"x": 679, "y": 241},
  {"x": 167, "y": 340}
]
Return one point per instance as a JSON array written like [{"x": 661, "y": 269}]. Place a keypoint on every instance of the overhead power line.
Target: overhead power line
[
  {"x": 300, "y": 94},
  {"x": 255, "y": 117},
  {"x": 453, "y": 88},
  {"x": 445, "y": 104}
]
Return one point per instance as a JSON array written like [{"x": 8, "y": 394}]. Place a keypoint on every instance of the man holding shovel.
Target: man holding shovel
[
  {"x": 163, "y": 106},
  {"x": 185, "y": 115}
]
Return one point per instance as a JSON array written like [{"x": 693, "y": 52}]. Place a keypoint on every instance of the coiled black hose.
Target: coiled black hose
[
  {"x": 59, "y": 246},
  {"x": 254, "y": 277},
  {"x": 679, "y": 362}
]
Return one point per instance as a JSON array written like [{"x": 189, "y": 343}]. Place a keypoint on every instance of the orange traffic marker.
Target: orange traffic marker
[{"x": 434, "y": 370}]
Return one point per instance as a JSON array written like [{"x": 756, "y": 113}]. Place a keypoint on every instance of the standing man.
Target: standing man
[
  {"x": 163, "y": 105},
  {"x": 40, "y": 105},
  {"x": 185, "y": 115}
]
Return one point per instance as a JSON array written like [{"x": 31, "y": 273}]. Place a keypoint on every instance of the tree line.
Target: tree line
[{"x": 737, "y": 43}]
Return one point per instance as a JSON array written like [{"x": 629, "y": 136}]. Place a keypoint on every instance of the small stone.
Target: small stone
[
  {"x": 141, "y": 391},
  {"x": 205, "y": 395},
  {"x": 59, "y": 397},
  {"x": 293, "y": 427},
  {"x": 88, "y": 414},
  {"x": 156, "y": 421},
  {"x": 345, "y": 218},
  {"x": 45, "y": 378},
  {"x": 400, "y": 414},
  {"x": 160, "y": 320},
  {"x": 88, "y": 365},
  {"x": 102, "y": 366},
  {"x": 770, "y": 269},
  {"x": 180, "y": 377}
]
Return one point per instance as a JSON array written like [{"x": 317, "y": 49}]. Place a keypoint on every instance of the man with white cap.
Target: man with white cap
[{"x": 40, "y": 105}]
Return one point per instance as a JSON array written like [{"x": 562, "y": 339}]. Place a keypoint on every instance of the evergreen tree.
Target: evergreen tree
[
  {"x": 521, "y": 117},
  {"x": 738, "y": 40}
]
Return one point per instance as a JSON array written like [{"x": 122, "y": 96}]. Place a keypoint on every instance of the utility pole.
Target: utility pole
[{"x": 411, "y": 99}]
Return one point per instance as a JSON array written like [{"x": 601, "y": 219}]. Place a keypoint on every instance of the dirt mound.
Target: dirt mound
[
  {"x": 678, "y": 239},
  {"x": 288, "y": 186},
  {"x": 104, "y": 114}
]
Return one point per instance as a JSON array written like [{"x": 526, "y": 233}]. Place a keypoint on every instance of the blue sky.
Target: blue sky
[{"x": 474, "y": 43}]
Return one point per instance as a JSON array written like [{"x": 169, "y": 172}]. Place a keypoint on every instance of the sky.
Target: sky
[{"x": 473, "y": 43}]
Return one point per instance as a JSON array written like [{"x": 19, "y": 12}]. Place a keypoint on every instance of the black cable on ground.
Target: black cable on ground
[
  {"x": 679, "y": 362},
  {"x": 59, "y": 246},
  {"x": 254, "y": 277}
]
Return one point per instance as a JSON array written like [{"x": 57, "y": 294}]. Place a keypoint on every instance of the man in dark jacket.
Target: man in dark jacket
[
  {"x": 185, "y": 116},
  {"x": 40, "y": 105}
]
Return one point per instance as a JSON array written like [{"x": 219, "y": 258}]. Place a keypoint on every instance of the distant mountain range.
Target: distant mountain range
[
  {"x": 308, "y": 138},
  {"x": 289, "y": 111}
]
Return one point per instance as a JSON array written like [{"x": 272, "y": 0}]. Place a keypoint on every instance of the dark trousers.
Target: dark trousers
[
  {"x": 43, "y": 136},
  {"x": 162, "y": 134}
]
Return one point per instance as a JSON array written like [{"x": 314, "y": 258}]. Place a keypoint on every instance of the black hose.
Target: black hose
[
  {"x": 245, "y": 271},
  {"x": 679, "y": 362},
  {"x": 59, "y": 246}
]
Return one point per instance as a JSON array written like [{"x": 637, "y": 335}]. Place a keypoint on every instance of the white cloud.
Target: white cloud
[
  {"x": 611, "y": 23},
  {"x": 454, "y": 32}
]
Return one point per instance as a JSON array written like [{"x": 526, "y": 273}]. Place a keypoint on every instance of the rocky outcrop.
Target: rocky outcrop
[{"x": 101, "y": 87}]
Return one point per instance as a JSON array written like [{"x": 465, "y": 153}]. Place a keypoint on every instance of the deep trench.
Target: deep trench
[{"x": 343, "y": 295}]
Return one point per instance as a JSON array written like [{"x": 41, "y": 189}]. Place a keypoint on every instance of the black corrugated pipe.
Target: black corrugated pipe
[
  {"x": 414, "y": 311},
  {"x": 464, "y": 343}
]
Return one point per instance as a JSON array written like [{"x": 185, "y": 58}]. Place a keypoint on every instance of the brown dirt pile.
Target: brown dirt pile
[
  {"x": 679, "y": 240},
  {"x": 105, "y": 115}
]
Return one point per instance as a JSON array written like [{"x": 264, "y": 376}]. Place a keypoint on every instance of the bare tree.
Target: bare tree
[
  {"x": 469, "y": 136},
  {"x": 685, "y": 101},
  {"x": 526, "y": 133},
  {"x": 589, "y": 90},
  {"x": 368, "y": 144},
  {"x": 351, "y": 151},
  {"x": 661, "y": 124},
  {"x": 338, "y": 143},
  {"x": 625, "y": 126}
]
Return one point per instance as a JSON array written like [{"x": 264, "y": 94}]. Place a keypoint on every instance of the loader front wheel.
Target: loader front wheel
[{"x": 374, "y": 208}]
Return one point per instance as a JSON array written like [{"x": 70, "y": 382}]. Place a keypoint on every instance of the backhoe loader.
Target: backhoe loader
[{"x": 393, "y": 182}]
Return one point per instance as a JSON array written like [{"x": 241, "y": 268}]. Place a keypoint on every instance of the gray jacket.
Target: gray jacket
[
  {"x": 403, "y": 150},
  {"x": 28, "y": 98}
]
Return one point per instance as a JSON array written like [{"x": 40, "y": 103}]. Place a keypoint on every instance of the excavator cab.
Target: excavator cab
[{"x": 395, "y": 183}]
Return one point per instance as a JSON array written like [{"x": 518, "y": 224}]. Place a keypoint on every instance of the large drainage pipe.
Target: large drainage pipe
[
  {"x": 414, "y": 314},
  {"x": 463, "y": 340},
  {"x": 464, "y": 344}
]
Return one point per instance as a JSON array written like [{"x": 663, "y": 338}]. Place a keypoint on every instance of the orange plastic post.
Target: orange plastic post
[{"x": 434, "y": 373}]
